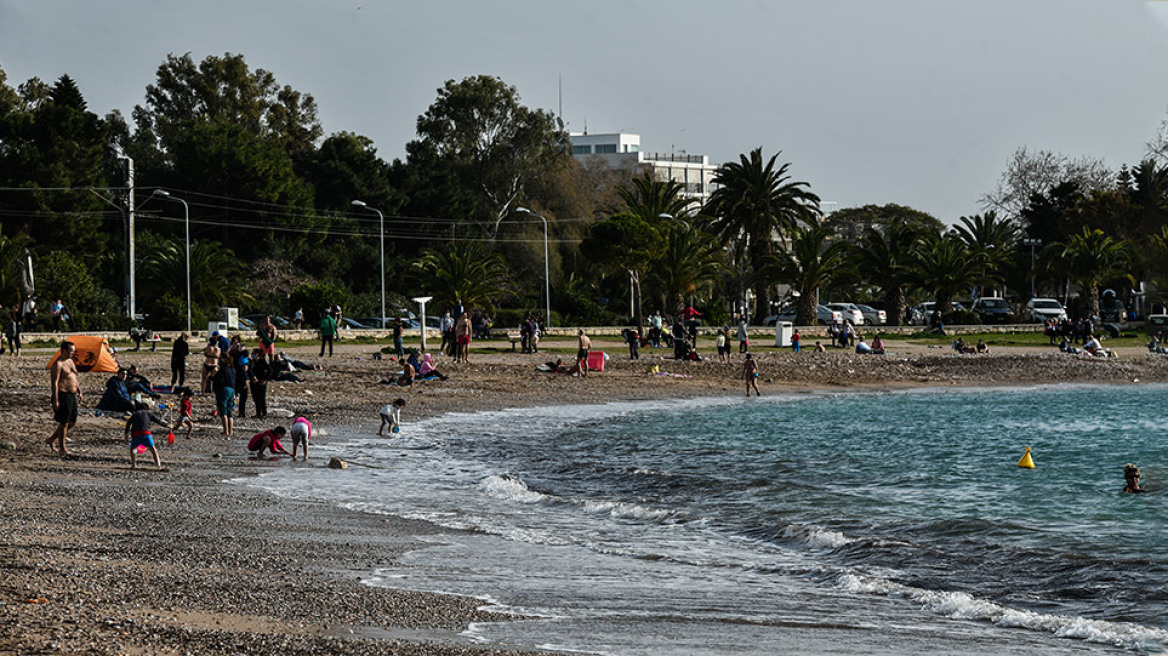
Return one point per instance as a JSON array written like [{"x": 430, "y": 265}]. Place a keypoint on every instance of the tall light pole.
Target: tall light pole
[
  {"x": 547, "y": 280},
  {"x": 381, "y": 219},
  {"x": 1032, "y": 243},
  {"x": 187, "y": 224},
  {"x": 422, "y": 301}
]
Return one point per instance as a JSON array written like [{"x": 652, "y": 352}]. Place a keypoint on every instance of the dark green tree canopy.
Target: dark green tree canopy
[{"x": 479, "y": 131}]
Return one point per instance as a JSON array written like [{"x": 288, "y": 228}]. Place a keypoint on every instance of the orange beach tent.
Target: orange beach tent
[{"x": 93, "y": 354}]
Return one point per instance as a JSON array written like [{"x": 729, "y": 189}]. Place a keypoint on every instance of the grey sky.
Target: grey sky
[{"x": 913, "y": 102}]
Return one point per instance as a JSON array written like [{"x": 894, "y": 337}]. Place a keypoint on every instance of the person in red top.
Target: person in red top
[
  {"x": 186, "y": 411},
  {"x": 269, "y": 439}
]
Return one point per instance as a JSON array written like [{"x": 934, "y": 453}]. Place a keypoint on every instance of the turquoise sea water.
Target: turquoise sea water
[{"x": 812, "y": 523}]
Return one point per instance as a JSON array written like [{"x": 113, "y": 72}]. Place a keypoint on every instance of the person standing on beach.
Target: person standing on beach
[
  {"x": 398, "y": 349},
  {"x": 583, "y": 347},
  {"x": 267, "y": 334},
  {"x": 210, "y": 362},
  {"x": 224, "y": 384},
  {"x": 328, "y": 333},
  {"x": 178, "y": 361},
  {"x": 12, "y": 331},
  {"x": 301, "y": 433},
  {"x": 462, "y": 338},
  {"x": 750, "y": 373},
  {"x": 66, "y": 391}
]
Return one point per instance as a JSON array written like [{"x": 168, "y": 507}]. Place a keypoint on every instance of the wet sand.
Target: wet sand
[{"x": 101, "y": 559}]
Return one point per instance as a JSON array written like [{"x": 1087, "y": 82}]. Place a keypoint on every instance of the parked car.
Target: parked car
[
  {"x": 1040, "y": 310},
  {"x": 872, "y": 316},
  {"x": 352, "y": 324},
  {"x": 993, "y": 309},
  {"x": 824, "y": 315},
  {"x": 921, "y": 314},
  {"x": 257, "y": 319},
  {"x": 849, "y": 311}
]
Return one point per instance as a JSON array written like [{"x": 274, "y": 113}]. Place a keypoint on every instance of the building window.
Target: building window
[
  {"x": 581, "y": 150},
  {"x": 603, "y": 149}
]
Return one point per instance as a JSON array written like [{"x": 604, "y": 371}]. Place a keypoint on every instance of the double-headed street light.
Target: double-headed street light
[
  {"x": 547, "y": 281},
  {"x": 381, "y": 217},
  {"x": 1032, "y": 243},
  {"x": 187, "y": 224}
]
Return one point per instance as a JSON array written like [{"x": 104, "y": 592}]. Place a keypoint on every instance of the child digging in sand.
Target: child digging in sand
[
  {"x": 301, "y": 431},
  {"x": 138, "y": 434},
  {"x": 391, "y": 416},
  {"x": 269, "y": 439}
]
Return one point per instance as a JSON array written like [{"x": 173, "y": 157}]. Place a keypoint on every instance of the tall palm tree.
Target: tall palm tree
[
  {"x": 1091, "y": 258},
  {"x": 886, "y": 254},
  {"x": 753, "y": 204},
  {"x": 990, "y": 241},
  {"x": 463, "y": 272},
  {"x": 690, "y": 263},
  {"x": 945, "y": 267},
  {"x": 810, "y": 260}
]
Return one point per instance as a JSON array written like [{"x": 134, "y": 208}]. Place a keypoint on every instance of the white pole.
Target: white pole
[
  {"x": 187, "y": 228},
  {"x": 381, "y": 228}
]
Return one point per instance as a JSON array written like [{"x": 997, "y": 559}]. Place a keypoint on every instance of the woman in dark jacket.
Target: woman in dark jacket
[{"x": 178, "y": 361}]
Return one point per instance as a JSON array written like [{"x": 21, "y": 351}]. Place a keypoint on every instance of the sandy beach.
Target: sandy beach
[{"x": 105, "y": 560}]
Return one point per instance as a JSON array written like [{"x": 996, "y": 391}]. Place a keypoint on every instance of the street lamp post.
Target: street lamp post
[
  {"x": 1032, "y": 243},
  {"x": 421, "y": 301},
  {"x": 381, "y": 219},
  {"x": 547, "y": 281},
  {"x": 187, "y": 226}
]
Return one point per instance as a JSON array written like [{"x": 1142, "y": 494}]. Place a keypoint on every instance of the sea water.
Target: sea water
[{"x": 857, "y": 522}]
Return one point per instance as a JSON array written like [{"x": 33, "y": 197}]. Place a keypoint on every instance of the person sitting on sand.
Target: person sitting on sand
[
  {"x": 116, "y": 397},
  {"x": 819, "y": 348},
  {"x": 136, "y": 382},
  {"x": 269, "y": 439},
  {"x": 982, "y": 347},
  {"x": 878, "y": 345},
  {"x": 138, "y": 433},
  {"x": 862, "y": 347},
  {"x": 391, "y": 416},
  {"x": 301, "y": 432},
  {"x": 408, "y": 373},
  {"x": 1131, "y": 475},
  {"x": 1095, "y": 347},
  {"x": 427, "y": 370}
]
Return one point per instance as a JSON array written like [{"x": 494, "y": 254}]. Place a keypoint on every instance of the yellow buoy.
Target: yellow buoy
[{"x": 1026, "y": 460}]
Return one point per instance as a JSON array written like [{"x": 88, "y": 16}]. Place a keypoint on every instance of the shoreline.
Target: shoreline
[{"x": 184, "y": 562}]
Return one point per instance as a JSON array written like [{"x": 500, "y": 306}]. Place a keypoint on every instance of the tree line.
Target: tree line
[{"x": 273, "y": 225}]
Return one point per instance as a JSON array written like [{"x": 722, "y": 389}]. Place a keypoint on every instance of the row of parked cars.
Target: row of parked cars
[{"x": 990, "y": 309}]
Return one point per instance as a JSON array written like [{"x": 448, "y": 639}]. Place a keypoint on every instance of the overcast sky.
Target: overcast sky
[{"x": 916, "y": 102}]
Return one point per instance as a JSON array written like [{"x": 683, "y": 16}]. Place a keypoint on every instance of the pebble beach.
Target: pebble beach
[{"x": 102, "y": 559}]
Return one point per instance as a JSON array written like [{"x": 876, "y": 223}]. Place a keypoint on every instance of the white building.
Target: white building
[{"x": 623, "y": 151}]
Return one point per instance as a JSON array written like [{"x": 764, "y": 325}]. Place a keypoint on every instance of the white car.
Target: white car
[
  {"x": 848, "y": 311},
  {"x": 872, "y": 316},
  {"x": 1044, "y": 309}
]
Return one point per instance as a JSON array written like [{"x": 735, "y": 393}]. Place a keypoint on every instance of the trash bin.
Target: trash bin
[{"x": 783, "y": 331}]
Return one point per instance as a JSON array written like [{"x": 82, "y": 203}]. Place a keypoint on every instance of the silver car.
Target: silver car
[
  {"x": 1040, "y": 310},
  {"x": 872, "y": 316},
  {"x": 849, "y": 311}
]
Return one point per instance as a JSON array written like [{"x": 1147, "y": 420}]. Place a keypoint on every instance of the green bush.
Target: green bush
[
  {"x": 962, "y": 317},
  {"x": 170, "y": 313},
  {"x": 315, "y": 298}
]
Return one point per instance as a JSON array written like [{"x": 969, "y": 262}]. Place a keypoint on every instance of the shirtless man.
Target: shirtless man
[
  {"x": 462, "y": 338},
  {"x": 66, "y": 396},
  {"x": 267, "y": 335},
  {"x": 210, "y": 361},
  {"x": 583, "y": 346}
]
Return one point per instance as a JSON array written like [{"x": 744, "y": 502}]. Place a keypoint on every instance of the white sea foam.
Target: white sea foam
[
  {"x": 816, "y": 537},
  {"x": 963, "y": 606},
  {"x": 510, "y": 488}
]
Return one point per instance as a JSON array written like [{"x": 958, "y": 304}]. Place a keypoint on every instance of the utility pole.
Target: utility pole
[{"x": 128, "y": 169}]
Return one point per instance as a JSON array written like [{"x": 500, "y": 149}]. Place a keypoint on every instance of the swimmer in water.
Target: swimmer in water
[{"x": 1131, "y": 474}]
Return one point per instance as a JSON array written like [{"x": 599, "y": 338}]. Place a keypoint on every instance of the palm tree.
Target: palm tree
[
  {"x": 945, "y": 267},
  {"x": 648, "y": 198},
  {"x": 810, "y": 260},
  {"x": 754, "y": 203},
  {"x": 216, "y": 278},
  {"x": 463, "y": 272},
  {"x": 1091, "y": 258},
  {"x": 690, "y": 263},
  {"x": 886, "y": 254},
  {"x": 990, "y": 242}
]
